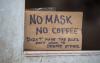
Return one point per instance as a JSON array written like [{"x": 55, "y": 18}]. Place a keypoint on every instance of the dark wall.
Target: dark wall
[{"x": 91, "y": 19}]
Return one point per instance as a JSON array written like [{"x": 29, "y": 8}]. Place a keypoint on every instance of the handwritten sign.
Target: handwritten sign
[{"x": 53, "y": 30}]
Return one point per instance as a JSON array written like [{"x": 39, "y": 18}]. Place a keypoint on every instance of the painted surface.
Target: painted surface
[{"x": 12, "y": 35}]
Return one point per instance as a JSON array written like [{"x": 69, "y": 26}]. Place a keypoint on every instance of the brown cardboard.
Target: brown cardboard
[{"x": 53, "y": 30}]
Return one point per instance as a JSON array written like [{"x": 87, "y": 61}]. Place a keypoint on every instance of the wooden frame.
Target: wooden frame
[{"x": 61, "y": 53}]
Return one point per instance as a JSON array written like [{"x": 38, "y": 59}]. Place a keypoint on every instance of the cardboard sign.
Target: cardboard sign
[{"x": 53, "y": 30}]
